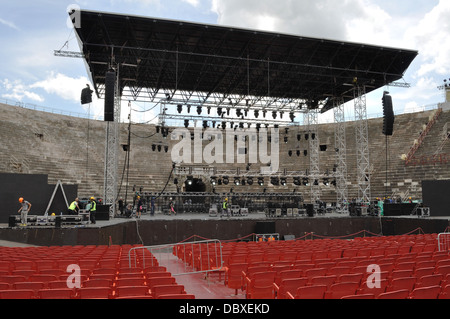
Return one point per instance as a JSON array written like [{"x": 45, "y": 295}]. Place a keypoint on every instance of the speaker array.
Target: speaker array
[
  {"x": 388, "y": 112},
  {"x": 110, "y": 84}
]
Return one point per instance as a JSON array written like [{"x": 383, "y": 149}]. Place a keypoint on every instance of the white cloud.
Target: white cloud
[
  {"x": 17, "y": 91},
  {"x": 431, "y": 36},
  {"x": 194, "y": 3},
  {"x": 8, "y": 24},
  {"x": 62, "y": 85}
]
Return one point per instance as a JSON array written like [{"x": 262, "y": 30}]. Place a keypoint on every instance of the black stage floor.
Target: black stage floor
[{"x": 163, "y": 229}]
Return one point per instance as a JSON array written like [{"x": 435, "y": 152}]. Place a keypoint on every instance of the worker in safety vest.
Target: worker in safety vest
[
  {"x": 74, "y": 208},
  {"x": 225, "y": 208},
  {"x": 92, "y": 209}
]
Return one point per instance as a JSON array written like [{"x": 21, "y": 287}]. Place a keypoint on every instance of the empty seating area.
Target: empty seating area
[
  {"x": 105, "y": 273},
  {"x": 409, "y": 267}
]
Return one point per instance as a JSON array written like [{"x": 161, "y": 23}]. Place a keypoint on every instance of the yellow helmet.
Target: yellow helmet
[{"x": 92, "y": 198}]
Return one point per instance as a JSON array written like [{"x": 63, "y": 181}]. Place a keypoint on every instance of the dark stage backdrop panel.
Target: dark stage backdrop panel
[
  {"x": 436, "y": 195},
  {"x": 36, "y": 190}
]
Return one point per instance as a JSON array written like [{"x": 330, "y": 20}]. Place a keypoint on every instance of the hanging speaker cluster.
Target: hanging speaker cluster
[
  {"x": 388, "y": 115},
  {"x": 110, "y": 84}
]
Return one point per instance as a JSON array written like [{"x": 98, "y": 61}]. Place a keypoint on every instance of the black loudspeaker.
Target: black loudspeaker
[
  {"x": 86, "y": 95},
  {"x": 310, "y": 210},
  {"x": 265, "y": 228},
  {"x": 12, "y": 221},
  {"x": 110, "y": 84},
  {"x": 388, "y": 112},
  {"x": 58, "y": 222}
]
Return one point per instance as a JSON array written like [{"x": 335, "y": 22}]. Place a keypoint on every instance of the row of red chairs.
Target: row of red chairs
[
  {"x": 124, "y": 292},
  {"x": 350, "y": 291}
]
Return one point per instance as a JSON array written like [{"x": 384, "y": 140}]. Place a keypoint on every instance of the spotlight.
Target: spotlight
[
  {"x": 175, "y": 181},
  {"x": 186, "y": 123},
  {"x": 256, "y": 113},
  {"x": 153, "y": 147},
  {"x": 159, "y": 148},
  {"x": 305, "y": 181},
  {"x": 326, "y": 182},
  {"x": 286, "y": 139},
  {"x": 298, "y": 153},
  {"x": 297, "y": 181},
  {"x": 189, "y": 109},
  {"x": 274, "y": 115},
  {"x": 283, "y": 181},
  {"x": 275, "y": 181},
  {"x": 299, "y": 137},
  {"x": 250, "y": 181},
  {"x": 219, "y": 111},
  {"x": 237, "y": 181},
  {"x": 213, "y": 181},
  {"x": 180, "y": 108},
  {"x": 305, "y": 152},
  {"x": 166, "y": 149},
  {"x": 225, "y": 180},
  {"x": 292, "y": 117},
  {"x": 290, "y": 153},
  {"x": 306, "y": 137},
  {"x": 260, "y": 181},
  {"x": 199, "y": 110},
  {"x": 190, "y": 180}
]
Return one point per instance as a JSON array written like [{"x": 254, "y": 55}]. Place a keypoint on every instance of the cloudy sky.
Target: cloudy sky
[{"x": 31, "y": 29}]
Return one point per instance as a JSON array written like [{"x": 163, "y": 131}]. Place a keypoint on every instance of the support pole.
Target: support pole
[
  {"x": 362, "y": 145},
  {"x": 341, "y": 157}
]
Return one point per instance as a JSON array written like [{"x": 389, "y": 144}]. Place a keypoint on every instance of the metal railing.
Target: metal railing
[
  {"x": 180, "y": 259},
  {"x": 443, "y": 241}
]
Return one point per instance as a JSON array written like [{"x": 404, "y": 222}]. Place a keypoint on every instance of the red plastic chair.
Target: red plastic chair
[
  {"x": 56, "y": 294},
  {"x": 323, "y": 280},
  {"x": 401, "y": 284},
  {"x": 337, "y": 291},
  {"x": 309, "y": 292},
  {"x": 17, "y": 294},
  {"x": 160, "y": 281},
  {"x": 260, "y": 286},
  {"x": 128, "y": 282},
  {"x": 288, "y": 285},
  {"x": 399, "y": 294},
  {"x": 35, "y": 286},
  {"x": 233, "y": 276},
  {"x": 365, "y": 296},
  {"x": 177, "y": 296},
  {"x": 94, "y": 293},
  {"x": 131, "y": 292},
  {"x": 157, "y": 291},
  {"x": 445, "y": 293},
  {"x": 429, "y": 281},
  {"x": 426, "y": 293}
]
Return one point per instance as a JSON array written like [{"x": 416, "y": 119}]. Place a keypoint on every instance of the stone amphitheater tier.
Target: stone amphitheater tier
[{"x": 36, "y": 142}]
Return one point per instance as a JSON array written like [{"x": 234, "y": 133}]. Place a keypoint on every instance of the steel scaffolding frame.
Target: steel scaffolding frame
[
  {"x": 341, "y": 157},
  {"x": 311, "y": 120},
  {"x": 362, "y": 145},
  {"x": 111, "y": 152}
]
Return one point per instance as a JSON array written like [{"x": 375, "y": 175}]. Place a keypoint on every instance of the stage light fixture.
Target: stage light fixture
[
  {"x": 166, "y": 149},
  {"x": 175, "y": 181},
  {"x": 305, "y": 181},
  {"x": 237, "y": 181},
  {"x": 219, "y": 111},
  {"x": 274, "y": 115},
  {"x": 326, "y": 182},
  {"x": 199, "y": 110},
  {"x": 292, "y": 117},
  {"x": 260, "y": 181},
  {"x": 297, "y": 181},
  {"x": 190, "y": 180},
  {"x": 298, "y": 153},
  {"x": 250, "y": 181},
  {"x": 159, "y": 148},
  {"x": 180, "y": 108},
  {"x": 283, "y": 181},
  {"x": 286, "y": 139},
  {"x": 153, "y": 147},
  {"x": 275, "y": 181},
  {"x": 226, "y": 180},
  {"x": 189, "y": 109},
  {"x": 213, "y": 181},
  {"x": 299, "y": 137},
  {"x": 186, "y": 123},
  {"x": 256, "y": 113}
]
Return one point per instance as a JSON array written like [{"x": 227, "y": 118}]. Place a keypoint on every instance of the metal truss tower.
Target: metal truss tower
[
  {"x": 311, "y": 119},
  {"x": 341, "y": 157},
  {"x": 111, "y": 152},
  {"x": 362, "y": 145}
]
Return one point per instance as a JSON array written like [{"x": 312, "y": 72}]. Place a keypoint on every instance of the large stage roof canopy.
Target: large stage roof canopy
[{"x": 197, "y": 63}]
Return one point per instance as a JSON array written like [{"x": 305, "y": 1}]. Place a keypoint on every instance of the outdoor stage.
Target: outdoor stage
[{"x": 163, "y": 229}]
